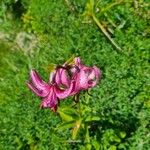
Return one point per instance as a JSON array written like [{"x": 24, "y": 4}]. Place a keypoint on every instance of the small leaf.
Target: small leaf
[
  {"x": 92, "y": 4},
  {"x": 112, "y": 147},
  {"x": 147, "y": 104},
  {"x": 87, "y": 136},
  {"x": 88, "y": 146},
  {"x": 76, "y": 129},
  {"x": 69, "y": 111},
  {"x": 96, "y": 144},
  {"x": 94, "y": 118},
  {"x": 122, "y": 134},
  {"x": 117, "y": 139},
  {"x": 65, "y": 126},
  {"x": 50, "y": 67},
  {"x": 87, "y": 108},
  {"x": 70, "y": 60},
  {"x": 64, "y": 116},
  {"x": 89, "y": 8}
]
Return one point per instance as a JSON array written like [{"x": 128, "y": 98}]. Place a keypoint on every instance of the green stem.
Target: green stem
[
  {"x": 110, "y": 6},
  {"x": 105, "y": 32},
  {"x": 4, "y": 11}
]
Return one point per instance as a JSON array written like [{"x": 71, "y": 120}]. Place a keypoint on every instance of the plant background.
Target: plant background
[{"x": 36, "y": 33}]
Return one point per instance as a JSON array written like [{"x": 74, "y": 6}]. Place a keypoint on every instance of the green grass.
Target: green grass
[{"x": 60, "y": 29}]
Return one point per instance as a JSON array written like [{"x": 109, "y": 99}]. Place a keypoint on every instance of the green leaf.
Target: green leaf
[
  {"x": 96, "y": 144},
  {"x": 92, "y": 4},
  {"x": 65, "y": 117},
  {"x": 68, "y": 111},
  {"x": 112, "y": 147},
  {"x": 89, "y": 8},
  {"x": 87, "y": 108},
  {"x": 122, "y": 134},
  {"x": 76, "y": 129},
  {"x": 70, "y": 60},
  {"x": 51, "y": 67},
  {"x": 147, "y": 104},
  {"x": 66, "y": 125},
  {"x": 87, "y": 137},
  {"x": 94, "y": 118},
  {"x": 117, "y": 139},
  {"x": 88, "y": 146}
]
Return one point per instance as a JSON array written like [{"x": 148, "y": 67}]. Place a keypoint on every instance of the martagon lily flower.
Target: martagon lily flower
[
  {"x": 65, "y": 81},
  {"x": 84, "y": 77},
  {"x": 48, "y": 91}
]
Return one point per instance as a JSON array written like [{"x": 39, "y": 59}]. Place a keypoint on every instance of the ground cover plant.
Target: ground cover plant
[{"x": 113, "y": 35}]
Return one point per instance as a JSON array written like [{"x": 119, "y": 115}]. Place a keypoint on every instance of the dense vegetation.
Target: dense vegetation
[{"x": 36, "y": 33}]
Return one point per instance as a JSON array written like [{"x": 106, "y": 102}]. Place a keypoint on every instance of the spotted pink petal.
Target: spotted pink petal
[
  {"x": 50, "y": 100},
  {"x": 39, "y": 93},
  {"x": 51, "y": 77},
  {"x": 38, "y": 82},
  {"x": 77, "y": 61},
  {"x": 95, "y": 76},
  {"x": 62, "y": 77},
  {"x": 86, "y": 77},
  {"x": 61, "y": 94},
  {"x": 82, "y": 81},
  {"x": 37, "y": 85}
]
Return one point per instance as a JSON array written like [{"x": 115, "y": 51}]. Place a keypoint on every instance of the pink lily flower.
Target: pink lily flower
[
  {"x": 84, "y": 77},
  {"x": 50, "y": 92},
  {"x": 63, "y": 82}
]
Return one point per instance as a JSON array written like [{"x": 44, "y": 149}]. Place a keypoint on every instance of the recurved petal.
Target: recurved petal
[
  {"x": 82, "y": 80},
  {"x": 37, "y": 81},
  {"x": 51, "y": 100},
  {"x": 94, "y": 76},
  {"x": 62, "y": 77},
  {"x": 61, "y": 94},
  {"x": 77, "y": 61},
  {"x": 37, "y": 85},
  {"x": 51, "y": 77},
  {"x": 40, "y": 93},
  {"x": 97, "y": 72}
]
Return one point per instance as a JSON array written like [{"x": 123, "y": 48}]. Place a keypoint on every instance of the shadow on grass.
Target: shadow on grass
[{"x": 118, "y": 124}]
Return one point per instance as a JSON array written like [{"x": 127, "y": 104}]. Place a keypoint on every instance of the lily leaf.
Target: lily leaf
[
  {"x": 92, "y": 118},
  {"x": 65, "y": 125},
  {"x": 64, "y": 116},
  {"x": 87, "y": 136},
  {"x": 68, "y": 114},
  {"x": 96, "y": 144},
  {"x": 92, "y": 4},
  {"x": 50, "y": 67},
  {"x": 122, "y": 134},
  {"x": 112, "y": 147},
  {"x": 70, "y": 60},
  {"x": 68, "y": 110},
  {"x": 76, "y": 129},
  {"x": 88, "y": 146}
]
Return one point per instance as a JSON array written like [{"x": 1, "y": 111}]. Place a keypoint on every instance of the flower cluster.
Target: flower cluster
[{"x": 64, "y": 81}]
